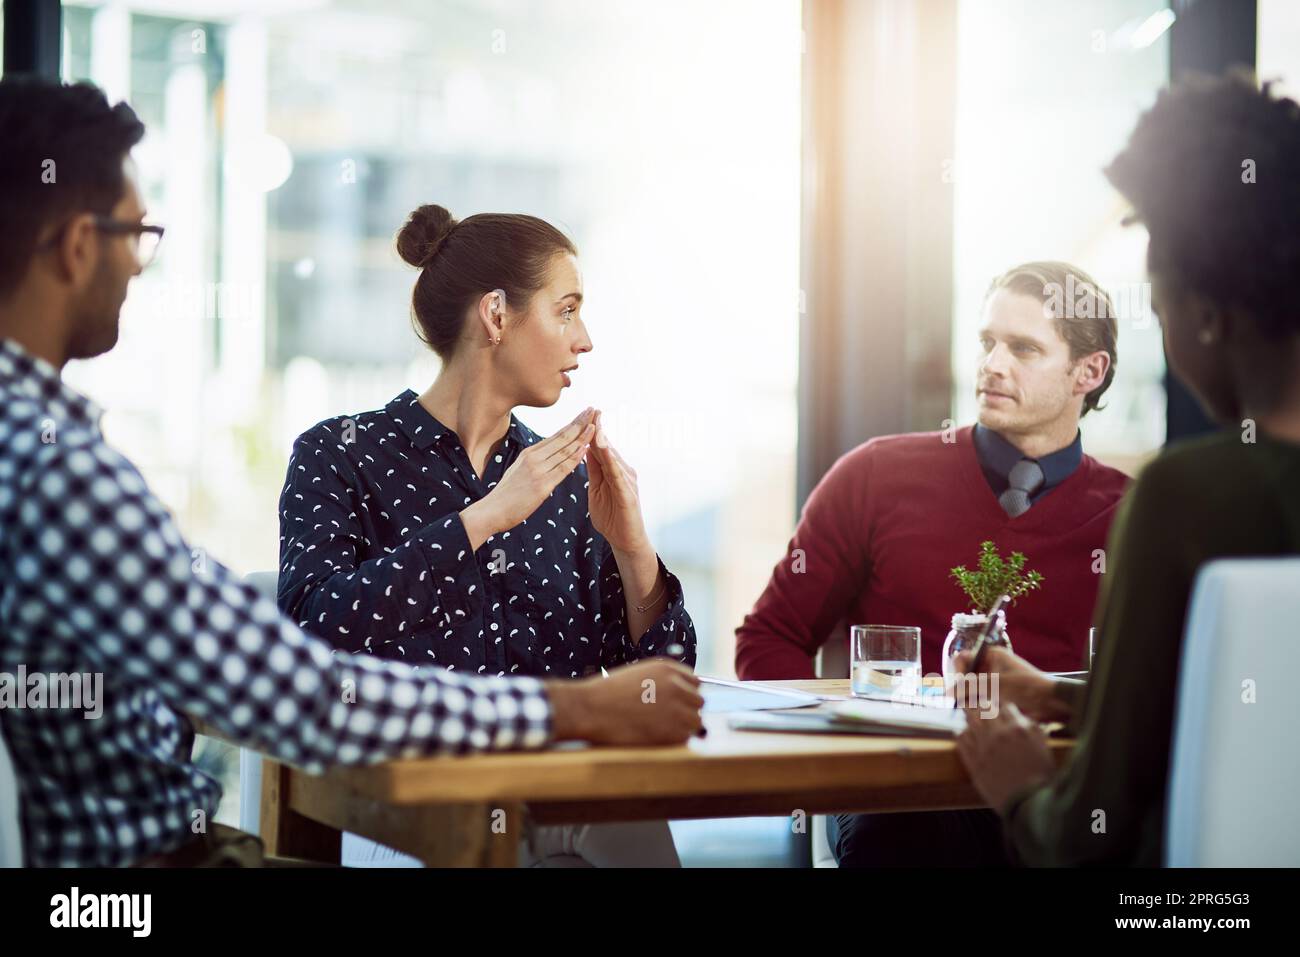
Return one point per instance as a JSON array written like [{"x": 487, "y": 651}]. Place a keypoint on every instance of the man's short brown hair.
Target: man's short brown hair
[{"x": 1084, "y": 313}]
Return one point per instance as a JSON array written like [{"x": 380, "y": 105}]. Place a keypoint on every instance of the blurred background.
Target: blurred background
[{"x": 787, "y": 216}]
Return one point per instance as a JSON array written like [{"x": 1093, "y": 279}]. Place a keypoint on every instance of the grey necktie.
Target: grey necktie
[{"x": 1025, "y": 478}]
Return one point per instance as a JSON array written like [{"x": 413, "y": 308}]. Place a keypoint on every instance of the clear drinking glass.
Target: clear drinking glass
[{"x": 886, "y": 662}]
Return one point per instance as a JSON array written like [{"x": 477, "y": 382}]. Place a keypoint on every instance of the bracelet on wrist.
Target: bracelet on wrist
[{"x": 651, "y": 602}]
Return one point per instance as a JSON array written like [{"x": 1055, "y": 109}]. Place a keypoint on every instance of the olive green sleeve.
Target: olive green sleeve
[{"x": 1099, "y": 807}]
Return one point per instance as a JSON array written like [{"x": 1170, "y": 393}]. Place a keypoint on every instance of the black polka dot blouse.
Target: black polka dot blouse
[{"x": 374, "y": 557}]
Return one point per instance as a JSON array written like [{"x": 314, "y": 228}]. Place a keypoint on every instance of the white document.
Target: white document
[
  {"x": 722, "y": 696},
  {"x": 902, "y": 717}
]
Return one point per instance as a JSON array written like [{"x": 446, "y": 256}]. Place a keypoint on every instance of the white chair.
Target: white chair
[
  {"x": 11, "y": 835},
  {"x": 1233, "y": 767}
]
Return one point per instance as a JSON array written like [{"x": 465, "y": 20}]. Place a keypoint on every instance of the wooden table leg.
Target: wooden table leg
[
  {"x": 440, "y": 835},
  {"x": 288, "y": 834}
]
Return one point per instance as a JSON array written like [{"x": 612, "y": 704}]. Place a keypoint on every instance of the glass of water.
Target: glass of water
[{"x": 886, "y": 662}]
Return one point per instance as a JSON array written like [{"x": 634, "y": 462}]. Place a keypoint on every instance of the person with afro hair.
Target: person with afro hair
[{"x": 1213, "y": 171}]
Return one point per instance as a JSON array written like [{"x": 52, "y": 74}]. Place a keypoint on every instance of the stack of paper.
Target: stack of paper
[
  {"x": 896, "y": 718},
  {"x": 859, "y": 716}
]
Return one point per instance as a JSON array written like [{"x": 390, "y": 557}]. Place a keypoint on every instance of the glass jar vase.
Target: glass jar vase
[{"x": 965, "y": 632}]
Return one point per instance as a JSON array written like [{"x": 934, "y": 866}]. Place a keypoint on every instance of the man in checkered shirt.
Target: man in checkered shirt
[{"x": 96, "y": 579}]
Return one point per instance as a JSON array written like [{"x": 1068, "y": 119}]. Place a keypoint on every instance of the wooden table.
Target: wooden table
[{"x": 470, "y": 811}]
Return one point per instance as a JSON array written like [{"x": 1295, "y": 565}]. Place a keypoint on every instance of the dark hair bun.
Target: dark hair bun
[{"x": 424, "y": 232}]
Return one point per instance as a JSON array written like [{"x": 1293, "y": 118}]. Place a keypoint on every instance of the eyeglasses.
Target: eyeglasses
[{"x": 144, "y": 238}]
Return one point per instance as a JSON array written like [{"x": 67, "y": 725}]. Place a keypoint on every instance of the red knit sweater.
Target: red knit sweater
[{"x": 881, "y": 533}]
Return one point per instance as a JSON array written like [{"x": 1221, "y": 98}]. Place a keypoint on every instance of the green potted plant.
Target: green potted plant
[{"x": 992, "y": 578}]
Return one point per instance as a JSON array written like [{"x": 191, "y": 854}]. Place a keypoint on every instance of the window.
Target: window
[
  {"x": 285, "y": 148},
  {"x": 1048, "y": 93},
  {"x": 1278, "y": 56}
]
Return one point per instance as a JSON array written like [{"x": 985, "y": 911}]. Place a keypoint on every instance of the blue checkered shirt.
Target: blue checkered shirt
[{"x": 95, "y": 578}]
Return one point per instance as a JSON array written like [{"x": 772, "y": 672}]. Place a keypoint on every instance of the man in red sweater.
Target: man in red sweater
[{"x": 881, "y": 532}]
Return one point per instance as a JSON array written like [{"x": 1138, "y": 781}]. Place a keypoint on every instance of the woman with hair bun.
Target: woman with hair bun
[{"x": 443, "y": 532}]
